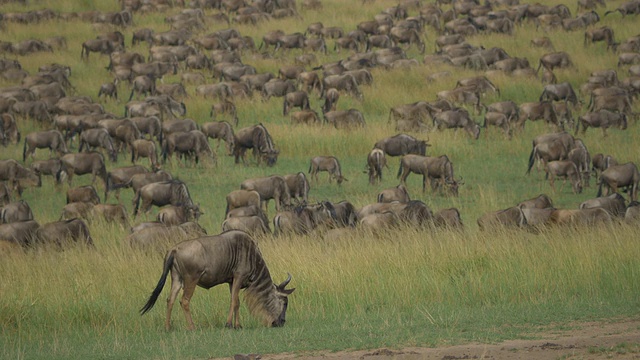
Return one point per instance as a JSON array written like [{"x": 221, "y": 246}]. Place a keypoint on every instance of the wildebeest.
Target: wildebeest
[
  {"x": 343, "y": 82},
  {"x": 376, "y": 161},
  {"x": 293, "y": 99},
  {"x": 252, "y": 225},
  {"x": 225, "y": 107},
  {"x": 190, "y": 144},
  {"x": 304, "y": 218},
  {"x": 103, "y": 46},
  {"x": 12, "y": 172},
  {"x": 512, "y": 217},
  {"x": 298, "y": 186},
  {"x": 84, "y": 163},
  {"x": 580, "y": 217},
  {"x": 614, "y": 204},
  {"x": 60, "y": 233},
  {"x": 51, "y": 139},
  {"x": 111, "y": 213},
  {"x": 145, "y": 148},
  {"x": 345, "y": 119},
  {"x": 402, "y": 144},
  {"x": 242, "y": 198},
  {"x": 269, "y": 187},
  {"x": 437, "y": 171},
  {"x": 620, "y": 176},
  {"x": 541, "y": 201},
  {"x": 601, "y": 162},
  {"x": 554, "y": 60},
  {"x": 602, "y": 119},
  {"x": 559, "y": 92},
  {"x": 448, "y": 218},
  {"x": 77, "y": 209},
  {"x": 277, "y": 88},
  {"x": 538, "y": 110},
  {"x": 329, "y": 164},
  {"x": 120, "y": 178},
  {"x": 231, "y": 257},
  {"x": 454, "y": 119},
  {"x": 627, "y": 8},
  {"x": 398, "y": 193},
  {"x": 47, "y": 167},
  {"x": 174, "y": 192},
  {"x": 86, "y": 193},
  {"x": 17, "y": 211},
  {"x": 220, "y": 130},
  {"x": 176, "y": 215},
  {"x": 566, "y": 169},
  {"x": 255, "y": 137},
  {"x": 21, "y": 232},
  {"x": 98, "y": 137}
]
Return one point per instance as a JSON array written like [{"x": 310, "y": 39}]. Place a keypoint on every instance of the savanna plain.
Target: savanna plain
[{"x": 404, "y": 288}]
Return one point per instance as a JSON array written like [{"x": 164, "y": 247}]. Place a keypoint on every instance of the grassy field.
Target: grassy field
[{"x": 402, "y": 288}]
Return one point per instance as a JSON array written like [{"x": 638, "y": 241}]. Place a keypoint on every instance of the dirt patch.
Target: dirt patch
[{"x": 594, "y": 340}]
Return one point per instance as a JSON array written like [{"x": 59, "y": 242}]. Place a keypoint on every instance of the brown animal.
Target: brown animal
[
  {"x": 376, "y": 161},
  {"x": 111, "y": 213},
  {"x": 329, "y": 164},
  {"x": 60, "y": 233},
  {"x": 174, "y": 192},
  {"x": 14, "y": 212},
  {"x": 231, "y": 257},
  {"x": 147, "y": 149},
  {"x": 22, "y": 232},
  {"x": 512, "y": 217},
  {"x": 220, "y": 130},
  {"x": 566, "y": 169},
  {"x": 242, "y": 198},
  {"x": 620, "y": 176},
  {"x": 176, "y": 215},
  {"x": 84, "y": 163},
  {"x": 255, "y": 137},
  {"x": 614, "y": 204},
  {"x": 51, "y": 139},
  {"x": 269, "y": 187},
  {"x": 120, "y": 178},
  {"x": 252, "y": 225},
  {"x": 298, "y": 186},
  {"x": 398, "y": 193},
  {"x": 86, "y": 193},
  {"x": 78, "y": 209},
  {"x": 448, "y": 219},
  {"x": 437, "y": 171},
  {"x": 304, "y": 218}
]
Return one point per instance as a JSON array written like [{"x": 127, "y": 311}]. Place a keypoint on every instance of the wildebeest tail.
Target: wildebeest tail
[
  {"x": 532, "y": 158},
  {"x": 399, "y": 170},
  {"x": 168, "y": 263},
  {"x": 600, "y": 183},
  {"x": 24, "y": 151}
]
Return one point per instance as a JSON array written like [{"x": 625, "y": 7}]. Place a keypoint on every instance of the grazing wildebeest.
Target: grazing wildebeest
[
  {"x": 77, "y": 209},
  {"x": 51, "y": 139},
  {"x": 255, "y": 137},
  {"x": 628, "y": 8},
  {"x": 343, "y": 82},
  {"x": 480, "y": 83},
  {"x": 559, "y": 92},
  {"x": 277, "y": 88},
  {"x": 437, "y": 171},
  {"x": 176, "y": 215},
  {"x": 454, "y": 119},
  {"x": 331, "y": 98},
  {"x": 17, "y": 211},
  {"x": 602, "y": 119},
  {"x": 614, "y": 204},
  {"x": 84, "y": 163},
  {"x": 145, "y": 148},
  {"x": 12, "y": 172},
  {"x": 22, "y": 232},
  {"x": 86, "y": 193},
  {"x": 190, "y": 144},
  {"x": 329, "y": 164},
  {"x": 149, "y": 125},
  {"x": 604, "y": 33},
  {"x": 298, "y": 186},
  {"x": 103, "y": 46},
  {"x": 108, "y": 90},
  {"x": 225, "y": 107},
  {"x": 566, "y": 169},
  {"x": 620, "y": 176},
  {"x": 232, "y": 257},
  {"x": 60, "y": 233},
  {"x": 512, "y": 217},
  {"x": 269, "y": 187},
  {"x": 252, "y": 225},
  {"x": 601, "y": 162},
  {"x": 5, "y": 194},
  {"x": 242, "y": 198},
  {"x": 376, "y": 160},
  {"x": 498, "y": 119},
  {"x": 401, "y": 35},
  {"x": 46, "y": 167},
  {"x": 538, "y": 110},
  {"x": 120, "y": 178},
  {"x": 143, "y": 85},
  {"x": 140, "y": 180},
  {"x": 398, "y": 193},
  {"x": 306, "y": 117},
  {"x": 345, "y": 119},
  {"x": 174, "y": 192},
  {"x": 98, "y": 137},
  {"x": 448, "y": 218},
  {"x": 304, "y": 218},
  {"x": 111, "y": 213},
  {"x": 554, "y": 60},
  {"x": 402, "y": 144},
  {"x": 293, "y": 99}
]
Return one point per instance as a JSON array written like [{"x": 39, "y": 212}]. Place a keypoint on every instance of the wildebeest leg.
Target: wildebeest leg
[
  {"x": 188, "y": 287},
  {"x": 176, "y": 285},
  {"x": 234, "y": 313}
]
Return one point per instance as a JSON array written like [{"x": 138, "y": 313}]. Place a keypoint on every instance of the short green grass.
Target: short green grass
[{"x": 402, "y": 288}]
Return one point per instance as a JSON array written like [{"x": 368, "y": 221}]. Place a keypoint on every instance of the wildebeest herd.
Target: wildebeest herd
[{"x": 154, "y": 127}]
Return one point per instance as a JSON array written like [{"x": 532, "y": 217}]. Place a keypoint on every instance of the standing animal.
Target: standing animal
[
  {"x": 298, "y": 186},
  {"x": 59, "y": 233},
  {"x": 566, "y": 169},
  {"x": 454, "y": 119},
  {"x": 174, "y": 192},
  {"x": 119, "y": 178},
  {"x": 559, "y": 92},
  {"x": 86, "y": 193},
  {"x": 145, "y": 148},
  {"x": 402, "y": 144},
  {"x": 220, "y": 130},
  {"x": 232, "y": 257},
  {"x": 398, "y": 193},
  {"x": 376, "y": 161},
  {"x": 620, "y": 176},
  {"x": 345, "y": 119},
  {"x": 51, "y": 139},
  {"x": 602, "y": 119},
  {"x": 98, "y": 137},
  {"x": 84, "y": 163},
  {"x": 437, "y": 171},
  {"x": 269, "y": 187},
  {"x": 329, "y": 164},
  {"x": 255, "y": 137},
  {"x": 242, "y": 198},
  {"x": 14, "y": 212}
]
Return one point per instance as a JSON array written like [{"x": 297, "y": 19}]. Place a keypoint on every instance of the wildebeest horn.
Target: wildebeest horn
[
  {"x": 461, "y": 181},
  {"x": 285, "y": 283}
]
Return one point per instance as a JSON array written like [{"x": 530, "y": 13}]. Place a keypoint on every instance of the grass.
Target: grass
[{"x": 402, "y": 288}]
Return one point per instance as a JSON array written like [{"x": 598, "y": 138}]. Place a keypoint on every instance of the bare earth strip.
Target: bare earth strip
[{"x": 594, "y": 340}]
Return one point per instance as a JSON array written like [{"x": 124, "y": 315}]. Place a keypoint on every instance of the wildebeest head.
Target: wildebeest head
[
  {"x": 270, "y": 157},
  {"x": 282, "y": 300}
]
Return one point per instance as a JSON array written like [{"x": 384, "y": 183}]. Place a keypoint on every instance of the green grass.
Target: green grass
[{"x": 402, "y": 288}]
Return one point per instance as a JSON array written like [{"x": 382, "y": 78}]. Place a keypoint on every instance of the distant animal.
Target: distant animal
[
  {"x": 86, "y": 193},
  {"x": 51, "y": 139},
  {"x": 376, "y": 161},
  {"x": 402, "y": 144},
  {"x": 618, "y": 177},
  {"x": 298, "y": 186},
  {"x": 232, "y": 257},
  {"x": 60, "y": 233},
  {"x": 174, "y": 192},
  {"x": 398, "y": 193},
  {"x": 329, "y": 164},
  {"x": 269, "y": 187}
]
